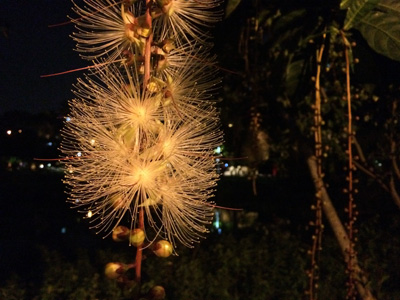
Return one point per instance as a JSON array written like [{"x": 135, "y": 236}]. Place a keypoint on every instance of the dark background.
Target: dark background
[{"x": 29, "y": 49}]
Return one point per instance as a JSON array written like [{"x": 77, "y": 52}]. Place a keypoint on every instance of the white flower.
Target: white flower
[
  {"x": 136, "y": 154},
  {"x": 109, "y": 29},
  {"x": 139, "y": 142},
  {"x": 113, "y": 30},
  {"x": 185, "y": 20}
]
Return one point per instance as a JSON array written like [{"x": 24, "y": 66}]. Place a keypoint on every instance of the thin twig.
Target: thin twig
[
  {"x": 372, "y": 175},
  {"x": 359, "y": 149}
]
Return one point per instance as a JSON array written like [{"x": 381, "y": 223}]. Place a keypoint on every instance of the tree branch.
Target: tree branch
[
  {"x": 392, "y": 185},
  {"x": 372, "y": 175},
  {"x": 393, "y": 191},
  {"x": 339, "y": 231}
]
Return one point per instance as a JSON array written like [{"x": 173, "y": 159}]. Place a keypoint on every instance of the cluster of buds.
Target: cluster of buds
[
  {"x": 118, "y": 271},
  {"x": 136, "y": 238},
  {"x": 141, "y": 132}
]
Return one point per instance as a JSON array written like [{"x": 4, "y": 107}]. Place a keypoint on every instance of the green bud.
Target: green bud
[
  {"x": 137, "y": 237},
  {"x": 162, "y": 248},
  {"x": 114, "y": 270}
]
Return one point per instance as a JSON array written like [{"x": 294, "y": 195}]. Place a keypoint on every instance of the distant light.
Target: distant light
[
  {"x": 218, "y": 150},
  {"x": 216, "y": 222},
  {"x": 9, "y": 132},
  {"x": 49, "y": 144},
  {"x": 67, "y": 119},
  {"x": 89, "y": 214},
  {"x": 41, "y": 166},
  {"x": 92, "y": 142},
  {"x": 79, "y": 154},
  {"x": 49, "y": 165},
  {"x": 63, "y": 230},
  {"x": 230, "y": 125},
  {"x": 226, "y": 165},
  {"x": 19, "y": 130},
  {"x": 217, "y": 160}
]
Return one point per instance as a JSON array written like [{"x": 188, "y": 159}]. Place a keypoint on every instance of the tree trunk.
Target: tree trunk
[{"x": 339, "y": 231}]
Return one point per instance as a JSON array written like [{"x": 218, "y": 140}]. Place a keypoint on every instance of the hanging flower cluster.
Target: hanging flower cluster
[{"x": 143, "y": 127}]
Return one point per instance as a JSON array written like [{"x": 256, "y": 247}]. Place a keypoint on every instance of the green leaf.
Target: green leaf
[
  {"x": 389, "y": 6},
  {"x": 344, "y": 4},
  {"x": 287, "y": 29},
  {"x": 231, "y": 5},
  {"x": 356, "y": 11},
  {"x": 287, "y": 20},
  {"x": 293, "y": 74},
  {"x": 382, "y": 33}
]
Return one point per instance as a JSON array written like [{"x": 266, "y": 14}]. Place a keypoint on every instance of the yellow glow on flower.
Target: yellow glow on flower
[
  {"x": 141, "y": 177},
  {"x": 141, "y": 115},
  {"x": 168, "y": 147}
]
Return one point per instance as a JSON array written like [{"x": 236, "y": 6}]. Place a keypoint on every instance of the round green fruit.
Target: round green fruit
[
  {"x": 120, "y": 233},
  {"x": 162, "y": 248},
  {"x": 157, "y": 292},
  {"x": 114, "y": 270},
  {"x": 137, "y": 237}
]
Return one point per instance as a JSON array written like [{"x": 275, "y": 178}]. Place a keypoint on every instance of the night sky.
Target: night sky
[{"x": 29, "y": 49}]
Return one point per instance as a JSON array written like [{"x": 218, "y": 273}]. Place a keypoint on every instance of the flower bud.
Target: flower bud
[
  {"x": 127, "y": 135},
  {"x": 157, "y": 292},
  {"x": 143, "y": 31},
  {"x": 162, "y": 248},
  {"x": 168, "y": 45},
  {"x": 114, "y": 270},
  {"x": 155, "y": 85},
  {"x": 137, "y": 237},
  {"x": 120, "y": 233}
]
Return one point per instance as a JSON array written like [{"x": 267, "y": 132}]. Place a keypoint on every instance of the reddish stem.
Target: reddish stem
[
  {"x": 147, "y": 55},
  {"x": 149, "y": 40},
  {"x": 139, "y": 251}
]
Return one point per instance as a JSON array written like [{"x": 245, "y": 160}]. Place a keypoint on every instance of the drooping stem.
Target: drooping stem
[
  {"x": 351, "y": 213},
  {"x": 318, "y": 226}
]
